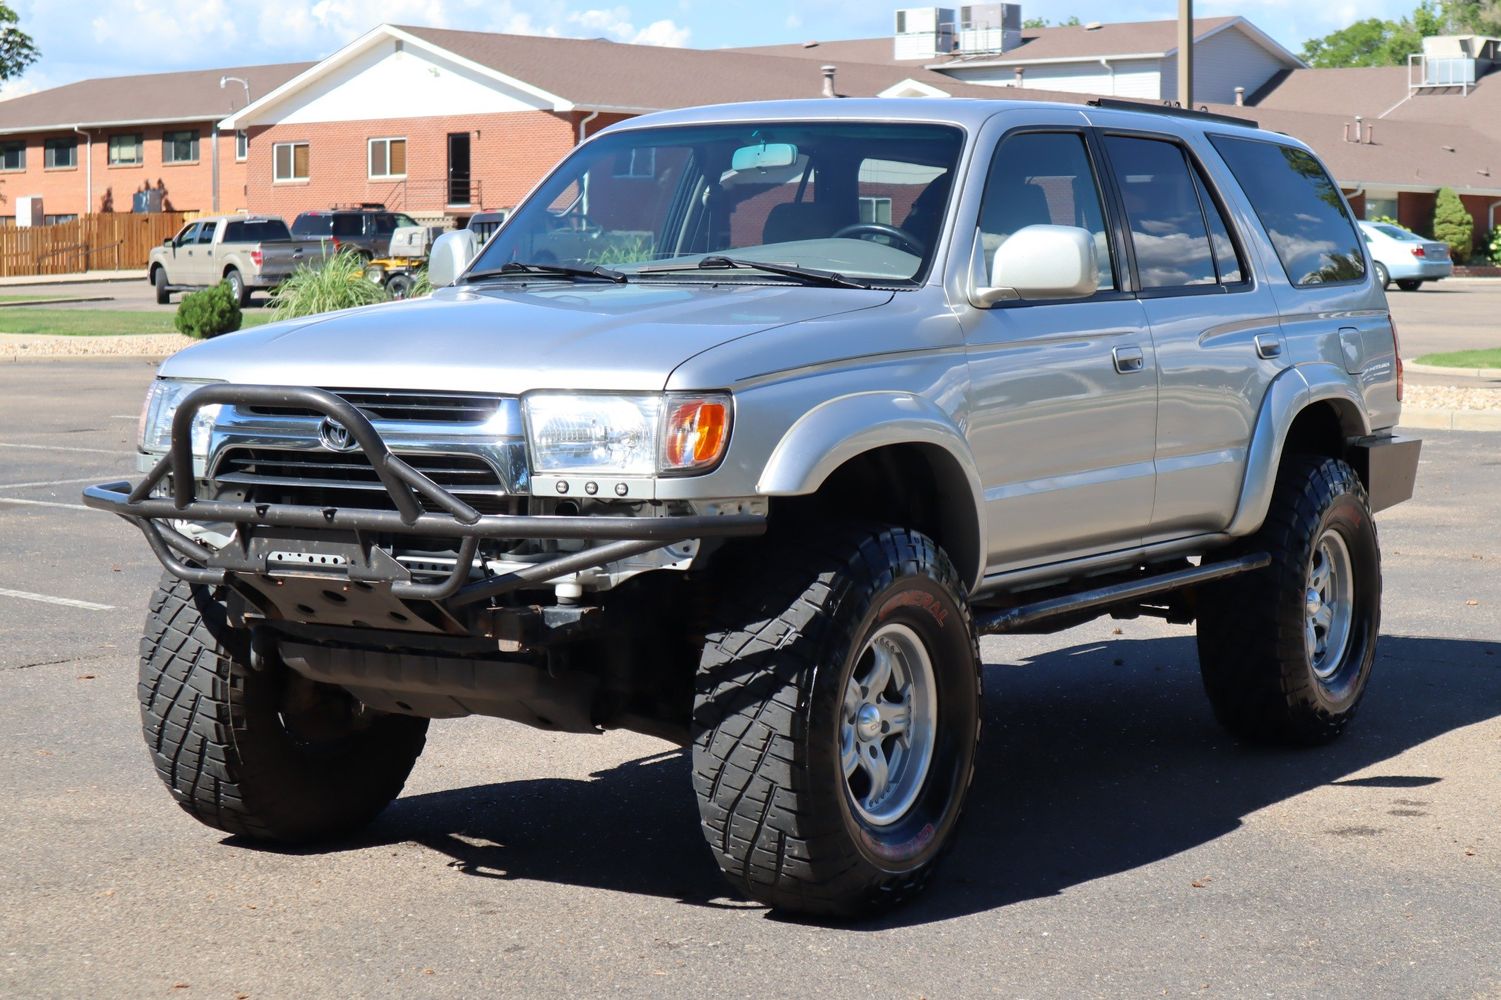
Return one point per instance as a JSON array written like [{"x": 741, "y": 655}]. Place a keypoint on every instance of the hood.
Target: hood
[{"x": 510, "y": 339}]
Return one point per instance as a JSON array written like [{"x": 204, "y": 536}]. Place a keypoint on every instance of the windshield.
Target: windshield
[
  {"x": 1398, "y": 234},
  {"x": 865, "y": 200}
]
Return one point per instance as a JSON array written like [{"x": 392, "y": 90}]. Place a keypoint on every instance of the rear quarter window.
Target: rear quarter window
[
  {"x": 313, "y": 225},
  {"x": 1300, "y": 207}
]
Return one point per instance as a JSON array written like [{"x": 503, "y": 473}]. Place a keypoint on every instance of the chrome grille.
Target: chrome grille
[
  {"x": 347, "y": 479},
  {"x": 409, "y": 407}
]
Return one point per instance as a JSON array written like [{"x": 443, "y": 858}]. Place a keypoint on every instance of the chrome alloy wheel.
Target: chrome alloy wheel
[
  {"x": 888, "y": 725},
  {"x": 1329, "y": 605}
]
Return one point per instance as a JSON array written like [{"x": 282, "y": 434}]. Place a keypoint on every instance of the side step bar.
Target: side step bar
[{"x": 1011, "y": 619}]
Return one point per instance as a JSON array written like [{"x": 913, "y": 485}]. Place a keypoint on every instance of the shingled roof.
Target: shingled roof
[{"x": 193, "y": 95}]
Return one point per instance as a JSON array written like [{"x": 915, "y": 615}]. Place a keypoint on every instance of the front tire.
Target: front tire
[
  {"x": 159, "y": 280},
  {"x": 1286, "y": 651},
  {"x": 260, "y": 751},
  {"x": 836, "y": 720}
]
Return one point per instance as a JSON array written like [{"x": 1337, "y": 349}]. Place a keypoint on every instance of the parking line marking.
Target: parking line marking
[
  {"x": 44, "y": 503},
  {"x": 58, "y": 447},
  {"x": 66, "y": 602},
  {"x": 52, "y": 482}
]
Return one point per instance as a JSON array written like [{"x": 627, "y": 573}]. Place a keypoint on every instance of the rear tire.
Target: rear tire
[
  {"x": 1285, "y": 651},
  {"x": 159, "y": 279},
  {"x": 836, "y": 720},
  {"x": 1383, "y": 276},
  {"x": 237, "y": 289},
  {"x": 260, "y": 751},
  {"x": 1409, "y": 284}
]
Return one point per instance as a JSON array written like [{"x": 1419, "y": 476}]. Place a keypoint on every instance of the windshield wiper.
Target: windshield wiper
[
  {"x": 561, "y": 270},
  {"x": 806, "y": 274}
]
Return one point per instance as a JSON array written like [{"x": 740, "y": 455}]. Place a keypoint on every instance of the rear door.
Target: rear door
[
  {"x": 1064, "y": 394},
  {"x": 1215, "y": 331}
]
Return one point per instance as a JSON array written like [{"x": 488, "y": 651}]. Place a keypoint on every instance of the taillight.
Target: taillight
[
  {"x": 1397, "y": 350},
  {"x": 337, "y": 244},
  {"x": 256, "y": 257},
  {"x": 1419, "y": 252}
]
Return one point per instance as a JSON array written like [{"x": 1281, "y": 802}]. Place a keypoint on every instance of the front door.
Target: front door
[
  {"x": 458, "y": 168},
  {"x": 1064, "y": 399}
]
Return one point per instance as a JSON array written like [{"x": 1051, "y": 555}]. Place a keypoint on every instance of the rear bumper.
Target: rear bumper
[
  {"x": 347, "y": 529},
  {"x": 1389, "y": 467},
  {"x": 1420, "y": 270}
]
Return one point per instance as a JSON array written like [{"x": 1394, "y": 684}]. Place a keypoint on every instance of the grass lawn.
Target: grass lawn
[
  {"x": 1488, "y": 358},
  {"x": 99, "y": 322}
]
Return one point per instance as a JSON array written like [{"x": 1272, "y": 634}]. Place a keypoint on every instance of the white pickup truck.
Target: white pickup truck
[{"x": 249, "y": 251}]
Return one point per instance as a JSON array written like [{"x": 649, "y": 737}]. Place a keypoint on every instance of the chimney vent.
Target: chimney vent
[
  {"x": 1359, "y": 134},
  {"x": 828, "y": 81},
  {"x": 1240, "y": 96}
]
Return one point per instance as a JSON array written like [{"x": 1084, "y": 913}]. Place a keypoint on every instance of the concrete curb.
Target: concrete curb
[
  {"x": 1418, "y": 369},
  {"x": 76, "y": 278},
  {"x": 1451, "y": 420},
  {"x": 72, "y": 300}
]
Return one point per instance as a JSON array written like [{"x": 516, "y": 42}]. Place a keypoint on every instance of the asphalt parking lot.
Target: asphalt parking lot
[{"x": 1117, "y": 843}]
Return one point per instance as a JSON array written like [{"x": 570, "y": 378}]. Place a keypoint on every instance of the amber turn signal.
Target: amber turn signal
[{"x": 695, "y": 434}]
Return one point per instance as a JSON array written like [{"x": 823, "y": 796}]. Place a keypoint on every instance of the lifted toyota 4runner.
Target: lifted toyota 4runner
[{"x": 828, "y": 390}]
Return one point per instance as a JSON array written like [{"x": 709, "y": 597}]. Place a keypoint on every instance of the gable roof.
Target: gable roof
[
  {"x": 1380, "y": 93},
  {"x": 620, "y": 77},
  {"x": 193, "y": 95}
]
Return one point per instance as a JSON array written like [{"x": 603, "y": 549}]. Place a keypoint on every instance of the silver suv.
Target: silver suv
[{"x": 821, "y": 393}]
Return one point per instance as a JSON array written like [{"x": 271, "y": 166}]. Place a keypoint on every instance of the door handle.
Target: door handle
[
  {"x": 1129, "y": 359},
  {"x": 1268, "y": 345}
]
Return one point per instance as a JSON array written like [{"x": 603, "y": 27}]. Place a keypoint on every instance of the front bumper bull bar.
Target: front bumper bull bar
[{"x": 194, "y": 562}]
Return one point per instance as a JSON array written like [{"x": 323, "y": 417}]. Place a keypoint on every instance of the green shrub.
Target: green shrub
[
  {"x": 1387, "y": 219},
  {"x": 340, "y": 283},
  {"x": 1491, "y": 247},
  {"x": 208, "y": 313},
  {"x": 1453, "y": 224}
]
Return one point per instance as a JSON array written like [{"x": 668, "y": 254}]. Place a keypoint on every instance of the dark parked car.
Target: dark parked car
[{"x": 367, "y": 231}]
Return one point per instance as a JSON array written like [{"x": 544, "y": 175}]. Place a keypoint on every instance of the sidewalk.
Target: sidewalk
[{"x": 77, "y": 278}]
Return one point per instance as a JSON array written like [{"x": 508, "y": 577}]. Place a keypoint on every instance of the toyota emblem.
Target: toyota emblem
[{"x": 335, "y": 436}]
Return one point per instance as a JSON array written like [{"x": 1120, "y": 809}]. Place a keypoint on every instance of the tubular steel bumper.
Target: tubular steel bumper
[{"x": 188, "y": 559}]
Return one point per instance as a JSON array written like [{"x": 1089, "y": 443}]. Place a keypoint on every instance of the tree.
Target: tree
[
  {"x": 1041, "y": 22},
  {"x": 17, "y": 51},
  {"x": 1453, "y": 224},
  {"x": 1479, "y": 17},
  {"x": 1377, "y": 42}
]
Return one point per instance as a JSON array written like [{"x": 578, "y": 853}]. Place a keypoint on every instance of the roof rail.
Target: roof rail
[{"x": 1113, "y": 104}]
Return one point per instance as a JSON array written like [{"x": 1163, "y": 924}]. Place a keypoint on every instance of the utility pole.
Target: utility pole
[{"x": 1186, "y": 53}]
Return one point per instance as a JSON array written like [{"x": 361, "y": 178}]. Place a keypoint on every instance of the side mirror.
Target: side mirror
[
  {"x": 450, "y": 254},
  {"x": 1039, "y": 262},
  {"x": 167, "y": 242}
]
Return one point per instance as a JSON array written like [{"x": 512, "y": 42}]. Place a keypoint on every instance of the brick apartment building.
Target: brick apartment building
[{"x": 91, "y": 146}]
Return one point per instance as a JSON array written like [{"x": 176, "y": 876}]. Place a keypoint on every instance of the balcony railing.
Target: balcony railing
[{"x": 433, "y": 194}]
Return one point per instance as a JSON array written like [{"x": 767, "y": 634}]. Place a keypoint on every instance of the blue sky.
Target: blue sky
[{"x": 88, "y": 38}]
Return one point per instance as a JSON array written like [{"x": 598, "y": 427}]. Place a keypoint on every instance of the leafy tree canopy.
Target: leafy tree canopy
[
  {"x": 1380, "y": 42},
  {"x": 17, "y": 51},
  {"x": 1042, "y": 22}
]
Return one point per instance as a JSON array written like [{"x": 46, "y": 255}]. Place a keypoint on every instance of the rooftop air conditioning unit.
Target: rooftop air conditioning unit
[
  {"x": 990, "y": 27},
  {"x": 924, "y": 33}
]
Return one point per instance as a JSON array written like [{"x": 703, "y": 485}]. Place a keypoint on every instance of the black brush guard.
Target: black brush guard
[{"x": 185, "y": 558}]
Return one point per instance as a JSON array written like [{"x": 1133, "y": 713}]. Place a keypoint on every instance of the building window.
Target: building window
[
  {"x": 637, "y": 162},
  {"x": 126, "y": 150},
  {"x": 12, "y": 156},
  {"x": 291, "y": 161},
  {"x": 388, "y": 158},
  {"x": 242, "y": 146},
  {"x": 875, "y": 210},
  {"x": 1380, "y": 208},
  {"x": 52, "y": 220},
  {"x": 180, "y": 147},
  {"x": 61, "y": 154}
]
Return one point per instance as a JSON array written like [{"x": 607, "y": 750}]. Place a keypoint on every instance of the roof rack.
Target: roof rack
[{"x": 1199, "y": 114}]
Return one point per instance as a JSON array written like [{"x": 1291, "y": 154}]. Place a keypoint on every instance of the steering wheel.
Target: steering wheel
[{"x": 901, "y": 239}]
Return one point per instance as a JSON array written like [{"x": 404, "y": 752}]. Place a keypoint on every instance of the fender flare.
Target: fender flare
[
  {"x": 841, "y": 429},
  {"x": 1289, "y": 394}
]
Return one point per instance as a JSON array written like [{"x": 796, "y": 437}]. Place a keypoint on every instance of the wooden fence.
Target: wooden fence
[{"x": 108, "y": 241}]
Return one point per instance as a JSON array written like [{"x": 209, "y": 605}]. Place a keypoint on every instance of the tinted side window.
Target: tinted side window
[
  {"x": 1043, "y": 178},
  {"x": 1300, "y": 207},
  {"x": 1162, "y": 208},
  {"x": 1226, "y": 259},
  {"x": 349, "y": 225}
]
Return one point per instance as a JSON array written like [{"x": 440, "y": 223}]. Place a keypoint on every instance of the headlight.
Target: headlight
[
  {"x": 162, "y": 401},
  {"x": 626, "y": 435}
]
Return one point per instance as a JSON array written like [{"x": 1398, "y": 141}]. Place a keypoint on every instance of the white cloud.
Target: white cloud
[
  {"x": 616, "y": 23},
  {"x": 793, "y": 22}
]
